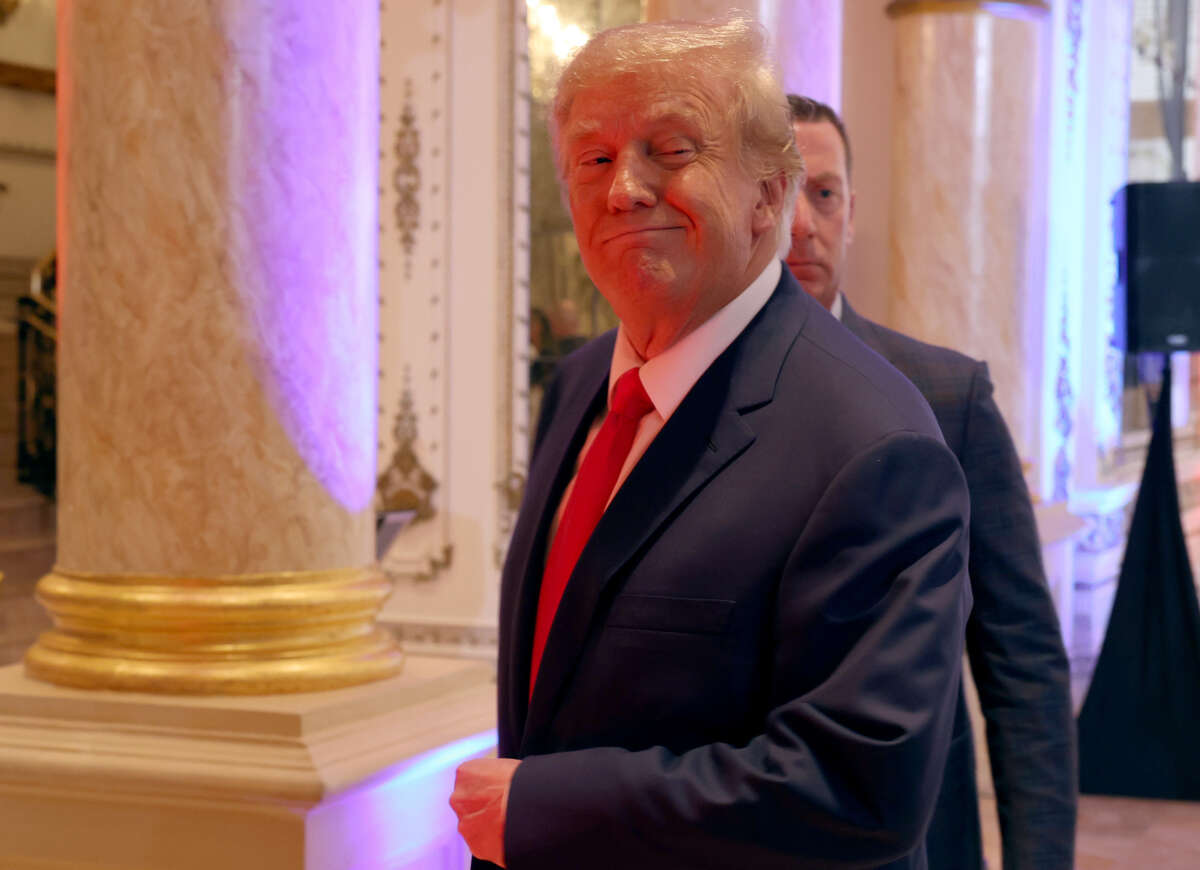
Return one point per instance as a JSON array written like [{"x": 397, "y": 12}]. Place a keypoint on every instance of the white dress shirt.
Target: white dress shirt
[{"x": 670, "y": 376}]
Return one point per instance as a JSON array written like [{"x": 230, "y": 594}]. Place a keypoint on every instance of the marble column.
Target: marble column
[
  {"x": 806, "y": 37},
  {"x": 964, "y": 201},
  {"x": 217, "y": 363},
  {"x": 1194, "y": 54}
]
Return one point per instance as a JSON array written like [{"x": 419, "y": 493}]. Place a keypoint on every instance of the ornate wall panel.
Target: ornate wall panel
[
  {"x": 513, "y": 279},
  {"x": 454, "y": 295},
  {"x": 1066, "y": 254},
  {"x": 414, "y": 285},
  {"x": 1103, "y": 374}
]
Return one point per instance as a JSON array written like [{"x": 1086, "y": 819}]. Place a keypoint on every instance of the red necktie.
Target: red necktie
[{"x": 594, "y": 484}]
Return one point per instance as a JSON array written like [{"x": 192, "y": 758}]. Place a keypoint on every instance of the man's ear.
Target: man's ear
[{"x": 768, "y": 211}]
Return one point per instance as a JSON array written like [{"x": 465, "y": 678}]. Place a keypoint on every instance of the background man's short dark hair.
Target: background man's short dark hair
[{"x": 809, "y": 111}]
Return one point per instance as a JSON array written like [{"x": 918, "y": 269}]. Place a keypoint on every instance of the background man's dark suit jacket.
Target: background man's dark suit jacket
[
  {"x": 1013, "y": 638},
  {"x": 756, "y": 660}
]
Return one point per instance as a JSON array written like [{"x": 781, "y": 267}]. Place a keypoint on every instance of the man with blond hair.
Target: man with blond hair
[{"x": 732, "y": 609}]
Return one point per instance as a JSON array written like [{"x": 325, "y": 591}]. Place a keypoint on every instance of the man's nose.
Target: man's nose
[
  {"x": 632, "y": 182},
  {"x": 803, "y": 225}
]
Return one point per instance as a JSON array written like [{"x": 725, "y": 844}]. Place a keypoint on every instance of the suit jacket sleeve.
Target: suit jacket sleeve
[
  {"x": 872, "y": 601},
  {"x": 1016, "y": 651}
]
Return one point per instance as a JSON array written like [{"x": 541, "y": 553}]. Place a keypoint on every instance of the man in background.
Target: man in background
[
  {"x": 1013, "y": 639},
  {"x": 732, "y": 610}
]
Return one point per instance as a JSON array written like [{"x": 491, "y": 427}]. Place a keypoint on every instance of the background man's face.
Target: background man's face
[
  {"x": 665, "y": 214},
  {"x": 823, "y": 224}
]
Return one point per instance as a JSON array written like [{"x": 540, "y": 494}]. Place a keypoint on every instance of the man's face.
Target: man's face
[
  {"x": 668, "y": 220},
  {"x": 823, "y": 224}
]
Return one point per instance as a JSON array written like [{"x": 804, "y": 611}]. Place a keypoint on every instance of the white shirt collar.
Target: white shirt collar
[
  {"x": 836, "y": 308},
  {"x": 670, "y": 376}
]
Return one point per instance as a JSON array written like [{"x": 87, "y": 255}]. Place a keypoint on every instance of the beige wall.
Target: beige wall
[
  {"x": 27, "y": 137},
  {"x": 28, "y": 37}
]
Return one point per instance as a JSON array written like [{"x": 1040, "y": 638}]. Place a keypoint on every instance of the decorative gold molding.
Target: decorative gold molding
[
  {"x": 405, "y": 485},
  {"x": 249, "y": 634},
  {"x": 15, "y": 150},
  {"x": 27, "y": 78},
  {"x": 898, "y": 8},
  {"x": 407, "y": 178},
  {"x": 435, "y": 564},
  {"x": 438, "y": 637}
]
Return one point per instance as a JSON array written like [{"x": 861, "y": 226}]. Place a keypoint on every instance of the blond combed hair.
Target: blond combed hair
[{"x": 731, "y": 52}]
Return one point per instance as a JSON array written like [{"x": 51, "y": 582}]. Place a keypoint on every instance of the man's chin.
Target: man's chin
[
  {"x": 647, "y": 269},
  {"x": 810, "y": 277},
  {"x": 806, "y": 271}
]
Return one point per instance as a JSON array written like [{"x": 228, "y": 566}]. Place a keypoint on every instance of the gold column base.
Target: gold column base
[{"x": 250, "y": 634}]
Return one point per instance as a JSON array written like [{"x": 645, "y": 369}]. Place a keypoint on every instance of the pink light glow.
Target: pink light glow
[{"x": 305, "y": 145}]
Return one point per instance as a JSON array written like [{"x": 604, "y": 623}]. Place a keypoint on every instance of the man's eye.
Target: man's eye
[
  {"x": 674, "y": 151},
  {"x": 824, "y": 198}
]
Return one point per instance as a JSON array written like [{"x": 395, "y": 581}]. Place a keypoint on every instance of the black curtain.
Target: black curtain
[{"x": 1139, "y": 729}]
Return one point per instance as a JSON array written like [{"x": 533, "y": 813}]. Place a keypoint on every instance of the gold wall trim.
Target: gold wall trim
[
  {"x": 33, "y": 153},
  {"x": 405, "y": 484},
  {"x": 27, "y": 78},
  {"x": 251, "y": 634},
  {"x": 898, "y": 8},
  {"x": 406, "y": 178}
]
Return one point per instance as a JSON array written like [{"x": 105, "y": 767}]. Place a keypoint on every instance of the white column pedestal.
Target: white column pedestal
[{"x": 350, "y": 778}]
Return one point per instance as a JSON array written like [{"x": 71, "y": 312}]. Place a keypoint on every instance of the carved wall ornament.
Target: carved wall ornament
[
  {"x": 1065, "y": 397},
  {"x": 405, "y": 485},
  {"x": 438, "y": 638},
  {"x": 32, "y": 153},
  {"x": 27, "y": 78},
  {"x": 406, "y": 179},
  {"x": 1074, "y": 21},
  {"x": 1104, "y": 531},
  {"x": 436, "y": 564},
  {"x": 1115, "y": 88}
]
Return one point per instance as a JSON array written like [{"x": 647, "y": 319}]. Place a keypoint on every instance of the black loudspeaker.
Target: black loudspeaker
[{"x": 1157, "y": 227}]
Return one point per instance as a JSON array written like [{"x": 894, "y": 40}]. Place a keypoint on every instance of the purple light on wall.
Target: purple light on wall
[
  {"x": 401, "y": 818},
  {"x": 304, "y": 167}
]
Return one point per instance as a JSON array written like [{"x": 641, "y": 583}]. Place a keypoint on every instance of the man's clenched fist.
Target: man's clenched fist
[{"x": 480, "y": 799}]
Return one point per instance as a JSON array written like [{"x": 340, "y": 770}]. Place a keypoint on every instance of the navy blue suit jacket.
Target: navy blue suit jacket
[
  {"x": 756, "y": 660},
  {"x": 1013, "y": 639}
]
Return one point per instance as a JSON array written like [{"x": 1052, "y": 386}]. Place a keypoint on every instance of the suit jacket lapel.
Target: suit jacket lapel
[
  {"x": 705, "y": 434},
  {"x": 551, "y": 471}
]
